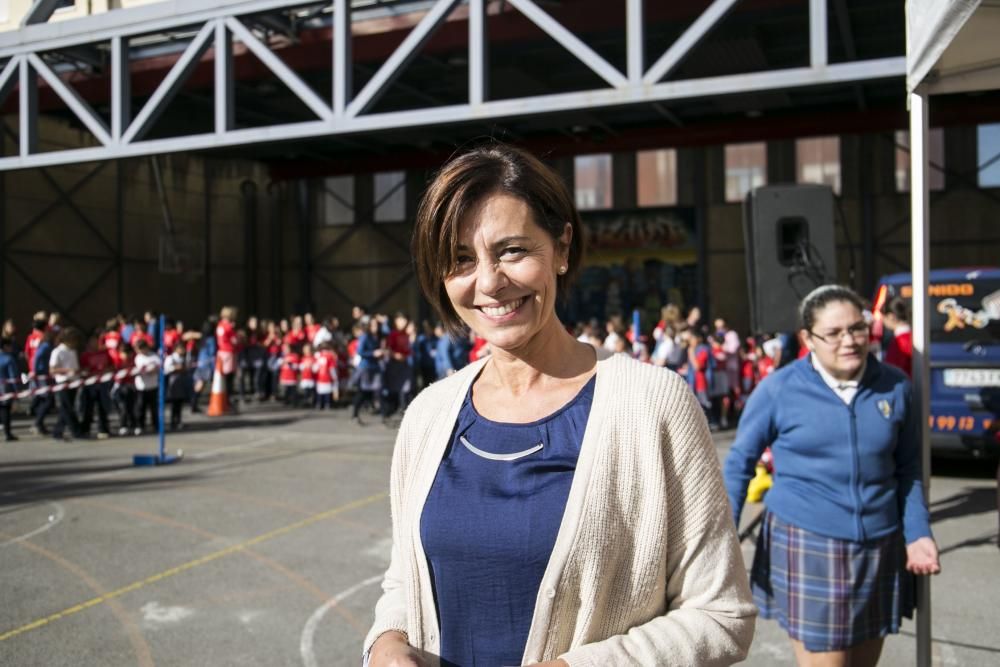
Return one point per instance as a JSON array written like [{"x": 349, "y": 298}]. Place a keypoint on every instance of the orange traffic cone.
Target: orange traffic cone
[{"x": 218, "y": 402}]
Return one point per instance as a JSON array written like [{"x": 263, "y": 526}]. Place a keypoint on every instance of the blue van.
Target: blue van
[{"x": 964, "y": 355}]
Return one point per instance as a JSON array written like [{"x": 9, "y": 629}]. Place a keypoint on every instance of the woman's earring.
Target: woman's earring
[{"x": 562, "y": 270}]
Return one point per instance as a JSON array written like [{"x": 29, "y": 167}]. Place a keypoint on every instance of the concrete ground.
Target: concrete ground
[{"x": 265, "y": 545}]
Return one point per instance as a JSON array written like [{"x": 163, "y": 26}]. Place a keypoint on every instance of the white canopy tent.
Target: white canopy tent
[{"x": 951, "y": 48}]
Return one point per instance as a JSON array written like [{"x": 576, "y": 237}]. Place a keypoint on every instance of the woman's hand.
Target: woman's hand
[
  {"x": 392, "y": 649},
  {"x": 922, "y": 556}
]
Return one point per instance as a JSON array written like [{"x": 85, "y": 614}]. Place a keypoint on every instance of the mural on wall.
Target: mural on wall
[{"x": 641, "y": 258}]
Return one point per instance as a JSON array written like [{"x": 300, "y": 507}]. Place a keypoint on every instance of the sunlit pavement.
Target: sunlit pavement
[{"x": 265, "y": 544}]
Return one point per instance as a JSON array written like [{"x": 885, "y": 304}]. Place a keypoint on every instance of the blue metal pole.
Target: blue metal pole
[{"x": 161, "y": 389}]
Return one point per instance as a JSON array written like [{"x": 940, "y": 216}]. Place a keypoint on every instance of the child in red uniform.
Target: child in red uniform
[
  {"x": 289, "y": 376},
  {"x": 327, "y": 389},
  {"x": 111, "y": 340},
  {"x": 699, "y": 359},
  {"x": 719, "y": 391},
  {"x": 38, "y": 324},
  {"x": 296, "y": 337},
  {"x": 748, "y": 367},
  {"x": 899, "y": 352},
  {"x": 141, "y": 333},
  {"x": 95, "y": 361},
  {"x": 171, "y": 336},
  {"x": 307, "y": 376},
  {"x": 310, "y": 328},
  {"x": 227, "y": 340}
]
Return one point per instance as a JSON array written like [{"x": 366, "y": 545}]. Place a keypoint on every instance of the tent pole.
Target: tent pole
[{"x": 920, "y": 251}]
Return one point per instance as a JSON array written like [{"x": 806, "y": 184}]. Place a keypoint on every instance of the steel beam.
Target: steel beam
[
  {"x": 303, "y": 212},
  {"x": 39, "y": 12},
  {"x": 27, "y": 108},
  {"x": 674, "y": 90},
  {"x": 336, "y": 243},
  {"x": 343, "y": 59},
  {"x": 55, "y": 203},
  {"x": 350, "y": 301},
  {"x": 120, "y": 233},
  {"x": 67, "y": 199},
  {"x": 920, "y": 262},
  {"x": 170, "y": 85},
  {"x": 121, "y": 85},
  {"x": 570, "y": 42},
  {"x": 225, "y": 109},
  {"x": 478, "y": 64},
  {"x": 280, "y": 69},
  {"x": 8, "y": 78},
  {"x": 634, "y": 41},
  {"x": 208, "y": 174},
  {"x": 817, "y": 33},
  {"x": 342, "y": 115},
  {"x": 158, "y": 17},
  {"x": 73, "y": 100},
  {"x": 403, "y": 54},
  {"x": 688, "y": 40},
  {"x": 407, "y": 277}
]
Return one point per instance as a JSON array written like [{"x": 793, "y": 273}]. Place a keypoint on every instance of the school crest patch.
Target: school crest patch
[{"x": 885, "y": 408}]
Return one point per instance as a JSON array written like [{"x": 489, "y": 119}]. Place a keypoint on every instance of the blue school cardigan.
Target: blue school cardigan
[{"x": 848, "y": 471}]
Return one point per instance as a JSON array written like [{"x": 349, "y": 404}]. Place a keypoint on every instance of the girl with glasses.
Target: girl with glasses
[{"x": 847, "y": 525}]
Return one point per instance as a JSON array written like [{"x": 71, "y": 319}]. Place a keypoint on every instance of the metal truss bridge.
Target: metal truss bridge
[{"x": 51, "y": 56}]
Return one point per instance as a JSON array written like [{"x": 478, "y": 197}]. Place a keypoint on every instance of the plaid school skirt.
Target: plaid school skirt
[{"x": 830, "y": 594}]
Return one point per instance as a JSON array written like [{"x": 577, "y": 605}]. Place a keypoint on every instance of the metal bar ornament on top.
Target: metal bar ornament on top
[{"x": 217, "y": 25}]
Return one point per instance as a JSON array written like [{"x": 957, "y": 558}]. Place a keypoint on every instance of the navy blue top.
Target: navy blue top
[
  {"x": 367, "y": 344},
  {"x": 42, "y": 355},
  {"x": 851, "y": 472},
  {"x": 10, "y": 377},
  {"x": 490, "y": 523}
]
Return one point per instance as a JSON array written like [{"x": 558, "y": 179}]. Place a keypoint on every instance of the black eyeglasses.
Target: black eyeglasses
[{"x": 858, "y": 332}]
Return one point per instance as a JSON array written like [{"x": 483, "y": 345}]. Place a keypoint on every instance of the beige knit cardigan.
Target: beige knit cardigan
[{"x": 646, "y": 568}]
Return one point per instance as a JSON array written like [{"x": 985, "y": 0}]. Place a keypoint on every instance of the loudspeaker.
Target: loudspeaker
[{"x": 790, "y": 250}]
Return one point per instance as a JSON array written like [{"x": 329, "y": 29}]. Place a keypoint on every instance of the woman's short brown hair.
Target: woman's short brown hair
[{"x": 456, "y": 191}]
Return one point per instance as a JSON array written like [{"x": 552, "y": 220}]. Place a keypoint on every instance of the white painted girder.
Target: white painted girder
[{"x": 343, "y": 116}]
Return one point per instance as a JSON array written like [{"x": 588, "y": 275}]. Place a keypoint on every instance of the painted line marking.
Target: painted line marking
[
  {"x": 54, "y": 519},
  {"x": 192, "y": 564},
  {"x": 309, "y": 631}
]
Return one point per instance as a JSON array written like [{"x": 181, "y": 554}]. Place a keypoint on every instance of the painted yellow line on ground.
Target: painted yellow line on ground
[{"x": 93, "y": 602}]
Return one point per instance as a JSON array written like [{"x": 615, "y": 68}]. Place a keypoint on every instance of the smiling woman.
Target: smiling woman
[{"x": 551, "y": 504}]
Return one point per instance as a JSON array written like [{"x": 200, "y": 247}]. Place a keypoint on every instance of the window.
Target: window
[
  {"x": 935, "y": 153},
  {"x": 817, "y": 160},
  {"x": 656, "y": 177},
  {"x": 746, "y": 169},
  {"x": 338, "y": 200},
  {"x": 988, "y": 147},
  {"x": 592, "y": 175},
  {"x": 62, "y": 5},
  {"x": 390, "y": 196}
]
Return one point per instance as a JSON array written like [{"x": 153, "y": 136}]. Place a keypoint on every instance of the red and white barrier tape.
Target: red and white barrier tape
[{"x": 81, "y": 382}]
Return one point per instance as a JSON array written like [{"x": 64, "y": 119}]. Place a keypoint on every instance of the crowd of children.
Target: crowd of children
[{"x": 303, "y": 362}]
